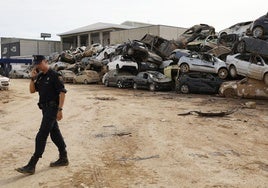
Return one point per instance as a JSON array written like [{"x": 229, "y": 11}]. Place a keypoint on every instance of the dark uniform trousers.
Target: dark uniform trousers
[{"x": 49, "y": 125}]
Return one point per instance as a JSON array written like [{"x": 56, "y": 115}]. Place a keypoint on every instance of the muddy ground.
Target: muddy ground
[{"x": 126, "y": 138}]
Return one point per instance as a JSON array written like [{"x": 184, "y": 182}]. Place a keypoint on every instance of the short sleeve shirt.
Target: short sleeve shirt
[{"x": 49, "y": 86}]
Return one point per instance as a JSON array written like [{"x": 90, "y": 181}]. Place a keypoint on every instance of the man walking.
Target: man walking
[{"x": 50, "y": 87}]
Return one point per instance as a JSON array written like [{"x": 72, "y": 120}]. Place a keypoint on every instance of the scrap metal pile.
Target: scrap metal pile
[{"x": 198, "y": 61}]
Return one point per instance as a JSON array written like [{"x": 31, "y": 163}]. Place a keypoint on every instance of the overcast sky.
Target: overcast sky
[{"x": 29, "y": 18}]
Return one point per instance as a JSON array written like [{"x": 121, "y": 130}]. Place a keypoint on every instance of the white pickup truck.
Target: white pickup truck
[{"x": 4, "y": 83}]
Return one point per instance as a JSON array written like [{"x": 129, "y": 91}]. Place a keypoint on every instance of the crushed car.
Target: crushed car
[
  {"x": 201, "y": 30},
  {"x": 252, "y": 45},
  {"x": 159, "y": 45},
  {"x": 259, "y": 28},
  {"x": 250, "y": 65},
  {"x": 198, "y": 82},
  {"x": 86, "y": 77},
  {"x": 245, "y": 88},
  {"x": 67, "y": 76},
  {"x": 203, "y": 62},
  {"x": 152, "y": 80},
  {"x": 118, "y": 78},
  {"x": 4, "y": 83},
  {"x": 239, "y": 29},
  {"x": 19, "y": 74}
]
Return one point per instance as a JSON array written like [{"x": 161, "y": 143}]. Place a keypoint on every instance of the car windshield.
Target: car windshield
[{"x": 157, "y": 75}]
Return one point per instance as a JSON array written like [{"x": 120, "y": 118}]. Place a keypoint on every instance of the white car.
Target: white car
[
  {"x": 203, "y": 63},
  {"x": 106, "y": 52},
  {"x": 119, "y": 62},
  {"x": 239, "y": 29},
  {"x": 58, "y": 65},
  {"x": 4, "y": 83},
  {"x": 252, "y": 66}
]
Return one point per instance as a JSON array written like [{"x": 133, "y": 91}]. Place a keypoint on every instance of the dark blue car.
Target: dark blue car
[
  {"x": 259, "y": 28},
  {"x": 198, "y": 82}
]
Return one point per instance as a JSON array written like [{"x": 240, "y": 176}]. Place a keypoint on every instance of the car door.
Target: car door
[
  {"x": 242, "y": 64},
  {"x": 256, "y": 67},
  {"x": 195, "y": 62},
  {"x": 208, "y": 63},
  {"x": 144, "y": 80},
  {"x": 138, "y": 79}
]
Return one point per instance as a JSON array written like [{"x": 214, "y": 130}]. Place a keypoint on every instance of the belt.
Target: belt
[{"x": 47, "y": 104}]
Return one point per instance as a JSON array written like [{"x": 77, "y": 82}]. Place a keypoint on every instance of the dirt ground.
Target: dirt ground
[{"x": 125, "y": 138}]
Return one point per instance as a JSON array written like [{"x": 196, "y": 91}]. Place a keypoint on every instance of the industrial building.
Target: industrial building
[
  {"x": 18, "y": 47},
  {"x": 106, "y": 33}
]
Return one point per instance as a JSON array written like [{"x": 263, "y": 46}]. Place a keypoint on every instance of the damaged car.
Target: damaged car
[
  {"x": 4, "y": 83},
  {"x": 67, "y": 76},
  {"x": 252, "y": 45},
  {"x": 203, "y": 63},
  {"x": 159, "y": 45},
  {"x": 245, "y": 88},
  {"x": 19, "y": 74},
  {"x": 239, "y": 29},
  {"x": 250, "y": 65},
  {"x": 120, "y": 61},
  {"x": 118, "y": 78},
  {"x": 152, "y": 80},
  {"x": 198, "y": 82},
  {"x": 86, "y": 77},
  {"x": 201, "y": 30},
  {"x": 259, "y": 28}
]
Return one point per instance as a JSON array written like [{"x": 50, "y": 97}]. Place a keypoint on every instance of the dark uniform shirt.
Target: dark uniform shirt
[{"x": 49, "y": 86}]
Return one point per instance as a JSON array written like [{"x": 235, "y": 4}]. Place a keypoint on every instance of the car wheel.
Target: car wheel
[
  {"x": 265, "y": 78},
  {"x": 85, "y": 81},
  {"x": 223, "y": 34},
  {"x": 152, "y": 87},
  {"x": 233, "y": 71},
  {"x": 184, "y": 89},
  {"x": 106, "y": 83},
  {"x": 223, "y": 73},
  {"x": 257, "y": 32},
  {"x": 135, "y": 86},
  {"x": 184, "y": 68},
  {"x": 229, "y": 93},
  {"x": 119, "y": 84},
  {"x": 241, "y": 47}
]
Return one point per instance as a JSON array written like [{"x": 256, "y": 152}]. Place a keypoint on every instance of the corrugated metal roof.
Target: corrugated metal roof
[{"x": 96, "y": 27}]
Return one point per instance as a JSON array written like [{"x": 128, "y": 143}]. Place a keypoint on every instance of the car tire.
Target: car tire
[
  {"x": 135, "y": 85},
  {"x": 184, "y": 89},
  {"x": 152, "y": 87},
  {"x": 265, "y": 78},
  {"x": 229, "y": 93},
  {"x": 223, "y": 73},
  {"x": 85, "y": 82},
  {"x": 233, "y": 71},
  {"x": 184, "y": 68},
  {"x": 119, "y": 84},
  {"x": 241, "y": 47},
  {"x": 106, "y": 83},
  {"x": 257, "y": 32}
]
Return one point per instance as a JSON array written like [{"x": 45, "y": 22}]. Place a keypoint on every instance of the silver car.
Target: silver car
[
  {"x": 252, "y": 66},
  {"x": 203, "y": 63}
]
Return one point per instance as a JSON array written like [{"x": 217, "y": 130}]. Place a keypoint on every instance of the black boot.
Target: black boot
[
  {"x": 30, "y": 167},
  {"x": 62, "y": 161}
]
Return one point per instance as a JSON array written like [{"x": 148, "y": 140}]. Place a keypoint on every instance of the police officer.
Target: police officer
[{"x": 51, "y": 91}]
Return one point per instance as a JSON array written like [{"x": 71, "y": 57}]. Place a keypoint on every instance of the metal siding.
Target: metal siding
[{"x": 28, "y": 47}]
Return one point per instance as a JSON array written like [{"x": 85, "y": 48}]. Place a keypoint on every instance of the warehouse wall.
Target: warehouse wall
[
  {"x": 30, "y": 47},
  {"x": 133, "y": 34},
  {"x": 167, "y": 32},
  {"x": 171, "y": 33}
]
